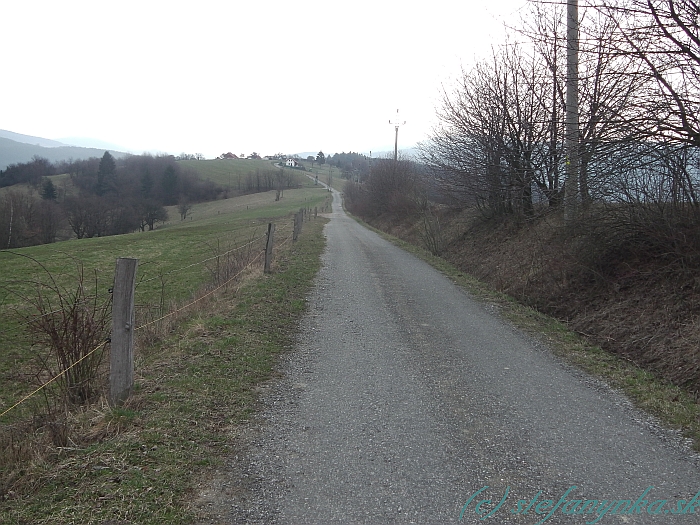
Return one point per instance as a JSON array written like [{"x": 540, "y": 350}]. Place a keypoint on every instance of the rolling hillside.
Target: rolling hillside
[{"x": 16, "y": 148}]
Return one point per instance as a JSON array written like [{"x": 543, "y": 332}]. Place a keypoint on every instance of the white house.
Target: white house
[{"x": 291, "y": 163}]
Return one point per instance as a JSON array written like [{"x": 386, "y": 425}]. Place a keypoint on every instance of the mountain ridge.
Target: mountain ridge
[
  {"x": 14, "y": 152},
  {"x": 30, "y": 139}
]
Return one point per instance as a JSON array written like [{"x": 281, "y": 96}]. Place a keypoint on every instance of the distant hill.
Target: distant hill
[
  {"x": 16, "y": 151},
  {"x": 376, "y": 154},
  {"x": 28, "y": 139},
  {"x": 91, "y": 143}
]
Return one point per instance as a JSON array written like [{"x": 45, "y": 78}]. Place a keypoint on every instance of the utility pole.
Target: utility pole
[
  {"x": 571, "y": 189},
  {"x": 369, "y": 165},
  {"x": 397, "y": 122}
]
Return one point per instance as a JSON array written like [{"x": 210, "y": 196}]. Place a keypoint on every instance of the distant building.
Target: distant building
[
  {"x": 228, "y": 155},
  {"x": 292, "y": 163}
]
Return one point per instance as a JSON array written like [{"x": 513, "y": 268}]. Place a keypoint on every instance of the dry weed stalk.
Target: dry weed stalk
[
  {"x": 70, "y": 327},
  {"x": 228, "y": 263},
  {"x": 431, "y": 232}
]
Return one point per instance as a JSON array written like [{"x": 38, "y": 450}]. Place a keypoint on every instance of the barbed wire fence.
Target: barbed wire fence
[{"x": 225, "y": 268}]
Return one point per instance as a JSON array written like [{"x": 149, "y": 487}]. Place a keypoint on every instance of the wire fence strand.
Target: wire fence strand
[
  {"x": 203, "y": 261},
  {"x": 203, "y": 296},
  {"x": 174, "y": 312},
  {"x": 28, "y": 396}
]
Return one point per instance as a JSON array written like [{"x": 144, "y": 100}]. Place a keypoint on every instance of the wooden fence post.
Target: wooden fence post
[
  {"x": 121, "y": 360},
  {"x": 268, "y": 247},
  {"x": 315, "y": 212}
]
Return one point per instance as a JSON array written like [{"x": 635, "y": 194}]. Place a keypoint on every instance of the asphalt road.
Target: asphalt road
[{"x": 404, "y": 397}]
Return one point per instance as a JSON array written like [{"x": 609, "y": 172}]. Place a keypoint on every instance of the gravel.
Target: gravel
[{"x": 404, "y": 396}]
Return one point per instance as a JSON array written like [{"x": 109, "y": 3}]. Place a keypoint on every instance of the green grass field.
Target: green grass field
[
  {"x": 210, "y": 229},
  {"x": 325, "y": 173},
  {"x": 227, "y": 173},
  {"x": 152, "y": 460},
  {"x": 231, "y": 174}
]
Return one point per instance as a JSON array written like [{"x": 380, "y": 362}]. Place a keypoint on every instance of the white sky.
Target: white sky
[{"x": 215, "y": 76}]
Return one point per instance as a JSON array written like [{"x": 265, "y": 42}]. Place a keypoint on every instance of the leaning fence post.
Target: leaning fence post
[
  {"x": 268, "y": 247},
  {"x": 121, "y": 361}
]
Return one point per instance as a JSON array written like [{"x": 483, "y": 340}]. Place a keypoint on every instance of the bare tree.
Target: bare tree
[
  {"x": 608, "y": 83},
  {"x": 152, "y": 212},
  {"x": 183, "y": 207},
  {"x": 17, "y": 220},
  {"x": 88, "y": 216},
  {"x": 663, "y": 38},
  {"x": 499, "y": 134},
  {"x": 500, "y": 141},
  {"x": 50, "y": 221},
  {"x": 393, "y": 186}
]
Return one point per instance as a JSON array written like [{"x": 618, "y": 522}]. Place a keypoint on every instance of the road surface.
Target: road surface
[{"x": 407, "y": 401}]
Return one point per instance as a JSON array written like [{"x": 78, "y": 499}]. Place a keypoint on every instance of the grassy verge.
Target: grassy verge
[
  {"x": 670, "y": 404},
  {"x": 139, "y": 464}
]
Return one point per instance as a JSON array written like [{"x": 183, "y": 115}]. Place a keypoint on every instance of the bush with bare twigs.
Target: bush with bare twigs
[{"x": 69, "y": 326}]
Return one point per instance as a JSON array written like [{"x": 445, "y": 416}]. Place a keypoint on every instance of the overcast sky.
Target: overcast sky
[{"x": 214, "y": 76}]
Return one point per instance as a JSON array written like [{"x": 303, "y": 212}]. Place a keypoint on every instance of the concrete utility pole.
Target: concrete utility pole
[
  {"x": 571, "y": 190},
  {"x": 397, "y": 122}
]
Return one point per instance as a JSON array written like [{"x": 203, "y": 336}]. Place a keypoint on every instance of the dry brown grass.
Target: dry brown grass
[{"x": 636, "y": 306}]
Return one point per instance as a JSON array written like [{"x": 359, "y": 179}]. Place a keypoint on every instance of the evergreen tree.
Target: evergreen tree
[
  {"x": 106, "y": 174},
  {"x": 48, "y": 190},
  {"x": 169, "y": 186}
]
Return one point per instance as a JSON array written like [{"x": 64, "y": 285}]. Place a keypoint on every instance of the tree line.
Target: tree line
[
  {"x": 499, "y": 145},
  {"x": 353, "y": 166},
  {"x": 500, "y": 141},
  {"x": 268, "y": 180},
  {"x": 106, "y": 197}
]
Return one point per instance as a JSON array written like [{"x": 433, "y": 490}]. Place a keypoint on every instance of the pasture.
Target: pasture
[
  {"x": 325, "y": 173},
  {"x": 170, "y": 267},
  {"x": 227, "y": 173},
  {"x": 151, "y": 460}
]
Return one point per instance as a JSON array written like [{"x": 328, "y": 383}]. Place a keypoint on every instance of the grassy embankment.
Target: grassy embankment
[
  {"x": 140, "y": 463},
  {"x": 622, "y": 335}
]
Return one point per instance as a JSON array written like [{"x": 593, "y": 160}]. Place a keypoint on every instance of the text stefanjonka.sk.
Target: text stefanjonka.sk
[{"x": 569, "y": 505}]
